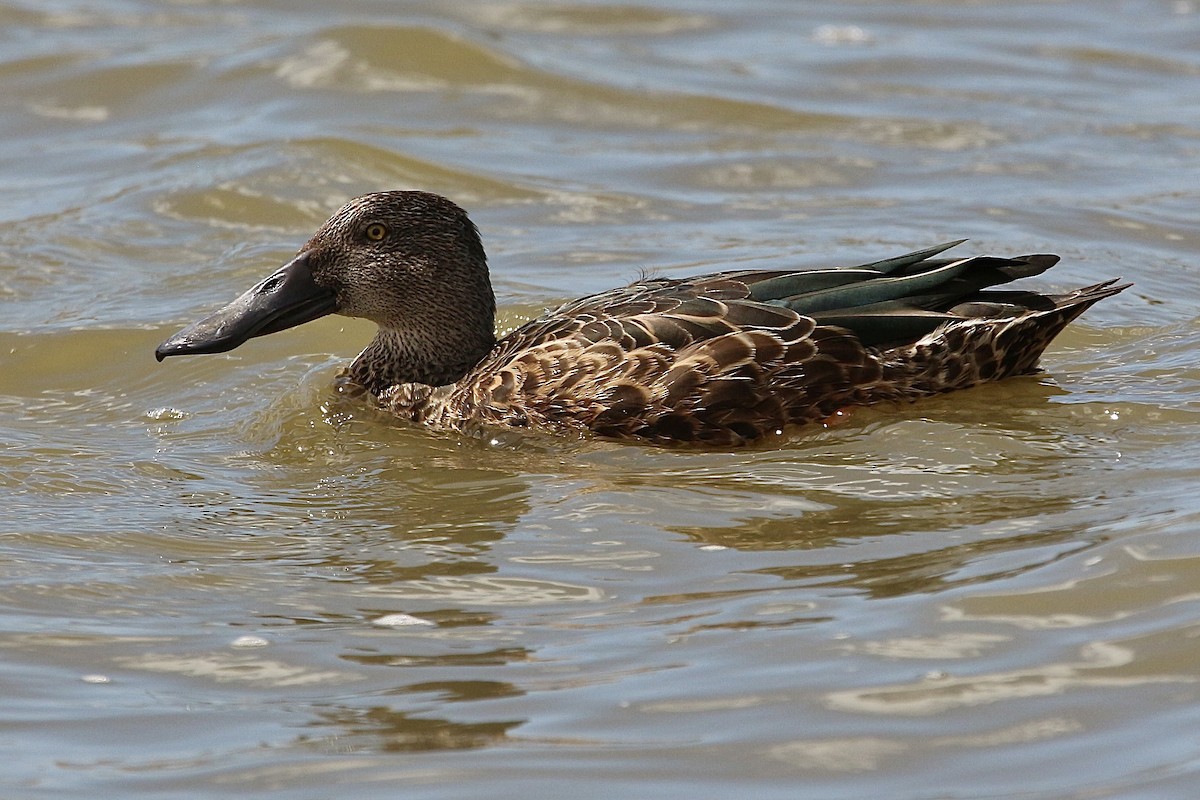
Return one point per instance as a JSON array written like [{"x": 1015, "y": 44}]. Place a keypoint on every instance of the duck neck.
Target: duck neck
[{"x": 399, "y": 357}]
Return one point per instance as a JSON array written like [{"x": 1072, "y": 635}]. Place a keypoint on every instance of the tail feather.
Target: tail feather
[
  {"x": 981, "y": 349},
  {"x": 901, "y": 299}
]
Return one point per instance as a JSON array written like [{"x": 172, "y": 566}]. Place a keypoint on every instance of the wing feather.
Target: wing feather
[{"x": 730, "y": 357}]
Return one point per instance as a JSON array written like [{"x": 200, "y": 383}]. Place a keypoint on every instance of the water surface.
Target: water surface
[{"x": 218, "y": 577}]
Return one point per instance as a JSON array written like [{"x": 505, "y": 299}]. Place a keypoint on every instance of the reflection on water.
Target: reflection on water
[
  {"x": 384, "y": 730},
  {"x": 221, "y": 576}
]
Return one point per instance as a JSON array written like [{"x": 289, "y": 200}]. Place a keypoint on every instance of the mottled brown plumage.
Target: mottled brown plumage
[{"x": 719, "y": 359}]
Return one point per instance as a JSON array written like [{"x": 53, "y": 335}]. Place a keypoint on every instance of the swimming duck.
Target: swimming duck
[{"x": 723, "y": 358}]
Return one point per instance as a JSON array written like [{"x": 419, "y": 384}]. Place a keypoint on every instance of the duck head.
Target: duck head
[{"x": 411, "y": 262}]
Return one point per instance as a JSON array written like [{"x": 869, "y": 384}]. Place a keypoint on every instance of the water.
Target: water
[{"x": 218, "y": 578}]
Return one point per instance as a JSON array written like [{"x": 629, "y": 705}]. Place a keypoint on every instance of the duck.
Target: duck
[{"x": 725, "y": 358}]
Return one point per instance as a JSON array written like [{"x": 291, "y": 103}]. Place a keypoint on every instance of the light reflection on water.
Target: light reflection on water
[{"x": 988, "y": 594}]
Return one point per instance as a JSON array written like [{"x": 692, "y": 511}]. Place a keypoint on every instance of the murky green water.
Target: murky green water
[{"x": 218, "y": 578}]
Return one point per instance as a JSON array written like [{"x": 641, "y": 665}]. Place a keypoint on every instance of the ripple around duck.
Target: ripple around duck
[
  {"x": 1097, "y": 665},
  {"x": 117, "y": 90},
  {"x": 604, "y": 20},
  {"x": 296, "y": 186},
  {"x": 489, "y": 591},
  {"x": 948, "y": 136},
  {"x": 398, "y": 60},
  {"x": 1129, "y": 60},
  {"x": 767, "y": 173},
  {"x": 236, "y": 668}
]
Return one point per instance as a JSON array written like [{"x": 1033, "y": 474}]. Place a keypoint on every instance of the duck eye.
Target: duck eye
[{"x": 376, "y": 231}]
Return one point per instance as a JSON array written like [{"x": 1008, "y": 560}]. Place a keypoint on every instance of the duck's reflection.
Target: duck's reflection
[{"x": 383, "y": 729}]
